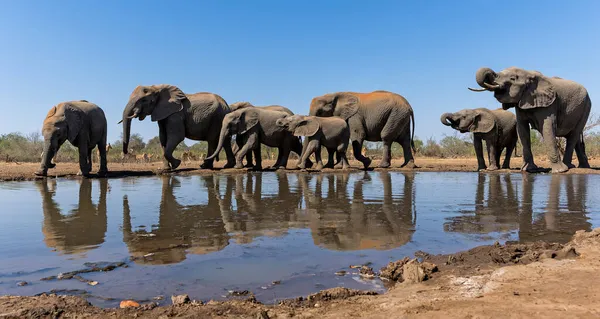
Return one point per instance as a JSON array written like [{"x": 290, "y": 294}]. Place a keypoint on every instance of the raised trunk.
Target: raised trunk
[
  {"x": 445, "y": 117},
  {"x": 222, "y": 137},
  {"x": 486, "y": 77}
]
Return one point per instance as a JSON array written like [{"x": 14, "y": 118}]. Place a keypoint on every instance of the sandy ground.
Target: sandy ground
[
  {"x": 24, "y": 171},
  {"x": 499, "y": 281}
]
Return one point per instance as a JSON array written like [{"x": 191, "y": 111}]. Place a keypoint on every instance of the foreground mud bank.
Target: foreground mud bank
[
  {"x": 537, "y": 280},
  {"x": 24, "y": 171}
]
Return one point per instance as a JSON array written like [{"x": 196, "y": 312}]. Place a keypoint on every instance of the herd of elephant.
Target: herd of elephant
[{"x": 551, "y": 105}]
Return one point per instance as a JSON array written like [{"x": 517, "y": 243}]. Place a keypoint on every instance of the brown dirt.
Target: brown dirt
[
  {"x": 535, "y": 280},
  {"x": 24, "y": 171}
]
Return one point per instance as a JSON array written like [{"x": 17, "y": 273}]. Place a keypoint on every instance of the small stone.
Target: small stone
[
  {"x": 158, "y": 298},
  {"x": 340, "y": 273},
  {"x": 317, "y": 305},
  {"x": 262, "y": 315},
  {"x": 128, "y": 304},
  {"x": 276, "y": 282},
  {"x": 180, "y": 300},
  {"x": 92, "y": 283},
  {"x": 22, "y": 283},
  {"x": 516, "y": 293}
]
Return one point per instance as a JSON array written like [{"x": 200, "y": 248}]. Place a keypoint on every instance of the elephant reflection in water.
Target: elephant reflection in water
[
  {"x": 557, "y": 223},
  {"x": 499, "y": 212},
  {"x": 342, "y": 223},
  {"x": 197, "y": 229},
  {"x": 258, "y": 214},
  {"x": 83, "y": 228}
]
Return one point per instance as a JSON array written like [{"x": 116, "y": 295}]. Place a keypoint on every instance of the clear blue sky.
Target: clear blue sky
[{"x": 283, "y": 52}]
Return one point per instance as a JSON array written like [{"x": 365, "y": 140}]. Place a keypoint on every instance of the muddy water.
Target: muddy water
[{"x": 207, "y": 235}]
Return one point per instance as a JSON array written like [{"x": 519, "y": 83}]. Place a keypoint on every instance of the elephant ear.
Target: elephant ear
[
  {"x": 248, "y": 120},
  {"x": 307, "y": 127},
  {"x": 74, "y": 118},
  {"x": 484, "y": 122},
  {"x": 539, "y": 92},
  {"x": 346, "y": 105},
  {"x": 170, "y": 101}
]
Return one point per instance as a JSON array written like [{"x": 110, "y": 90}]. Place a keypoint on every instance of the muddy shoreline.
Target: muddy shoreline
[
  {"x": 24, "y": 171},
  {"x": 511, "y": 280}
]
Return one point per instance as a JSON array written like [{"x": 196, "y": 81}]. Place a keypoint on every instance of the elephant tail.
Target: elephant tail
[{"x": 412, "y": 136}]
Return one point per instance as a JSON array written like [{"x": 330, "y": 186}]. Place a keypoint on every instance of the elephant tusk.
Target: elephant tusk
[
  {"x": 477, "y": 90},
  {"x": 492, "y": 86}
]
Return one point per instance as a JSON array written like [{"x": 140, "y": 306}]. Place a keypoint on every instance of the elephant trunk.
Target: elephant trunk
[
  {"x": 48, "y": 155},
  {"x": 486, "y": 77},
  {"x": 446, "y": 119},
  {"x": 224, "y": 134},
  {"x": 127, "y": 116}
]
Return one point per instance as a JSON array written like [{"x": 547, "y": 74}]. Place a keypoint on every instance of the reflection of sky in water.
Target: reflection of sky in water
[{"x": 219, "y": 231}]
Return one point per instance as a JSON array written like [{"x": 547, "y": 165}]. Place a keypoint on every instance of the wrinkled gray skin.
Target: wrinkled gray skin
[
  {"x": 553, "y": 106},
  {"x": 84, "y": 125},
  {"x": 239, "y": 141},
  {"x": 376, "y": 116},
  {"x": 195, "y": 116},
  {"x": 331, "y": 132},
  {"x": 256, "y": 126},
  {"x": 498, "y": 128}
]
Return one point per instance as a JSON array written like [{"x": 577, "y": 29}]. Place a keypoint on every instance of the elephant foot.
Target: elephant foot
[
  {"x": 248, "y": 165},
  {"x": 584, "y": 165},
  {"x": 339, "y": 165},
  {"x": 329, "y": 165},
  {"x": 209, "y": 165},
  {"x": 51, "y": 165},
  {"x": 301, "y": 166},
  {"x": 41, "y": 172},
  {"x": 102, "y": 173},
  {"x": 175, "y": 163},
  {"x": 229, "y": 165},
  {"x": 492, "y": 168},
  {"x": 559, "y": 167},
  {"x": 506, "y": 166},
  {"x": 570, "y": 165},
  {"x": 383, "y": 164},
  {"x": 319, "y": 167},
  {"x": 239, "y": 166},
  {"x": 530, "y": 168},
  {"x": 366, "y": 162},
  {"x": 83, "y": 174},
  {"x": 409, "y": 164},
  {"x": 481, "y": 168}
]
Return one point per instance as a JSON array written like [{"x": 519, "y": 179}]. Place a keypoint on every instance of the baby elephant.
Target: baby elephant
[
  {"x": 497, "y": 127},
  {"x": 84, "y": 125},
  {"x": 331, "y": 132}
]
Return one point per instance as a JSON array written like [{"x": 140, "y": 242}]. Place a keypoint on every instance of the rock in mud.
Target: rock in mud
[
  {"x": 180, "y": 300},
  {"x": 366, "y": 272},
  {"x": 393, "y": 270},
  {"x": 128, "y": 304},
  {"x": 340, "y": 273}
]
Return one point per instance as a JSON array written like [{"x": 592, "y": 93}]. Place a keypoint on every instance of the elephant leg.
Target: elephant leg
[
  {"x": 572, "y": 140},
  {"x": 309, "y": 147},
  {"x": 251, "y": 143},
  {"x": 258, "y": 158},
  {"x": 509, "y": 151},
  {"x": 241, "y": 140},
  {"x": 297, "y": 146},
  {"x": 409, "y": 160},
  {"x": 102, "y": 154},
  {"x": 549, "y": 136},
  {"x": 341, "y": 154},
  {"x": 478, "y": 144},
  {"x": 90, "y": 154},
  {"x": 386, "y": 154},
  {"x": 330, "y": 159},
  {"x": 285, "y": 154},
  {"x": 525, "y": 137},
  {"x": 228, "y": 153},
  {"x": 492, "y": 150},
  {"x": 162, "y": 136},
  {"x": 356, "y": 149},
  {"x": 581, "y": 156},
  {"x": 318, "y": 155},
  {"x": 84, "y": 166}
]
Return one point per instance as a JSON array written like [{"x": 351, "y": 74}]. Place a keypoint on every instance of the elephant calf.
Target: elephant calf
[
  {"x": 255, "y": 126},
  {"x": 497, "y": 127},
  {"x": 331, "y": 132},
  {"x": 84, "y": 125}
]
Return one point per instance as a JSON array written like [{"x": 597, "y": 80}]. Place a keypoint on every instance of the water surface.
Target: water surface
[{"x": 205, "y": 235}]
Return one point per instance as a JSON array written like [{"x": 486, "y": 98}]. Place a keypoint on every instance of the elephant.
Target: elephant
[
  {"x": 553, "y": 106},
  {"x": 331, "y": 132},
  {"x": 83, "y": 228},
  {"x": 497, "y": 127},
  {"x": 195, "y": 116},
  {"x": 376, "y": 116},
  {"x": 258, "y": 126},
  {"x": 239, "y": 140},
  {"x": 84, "y": 125}
]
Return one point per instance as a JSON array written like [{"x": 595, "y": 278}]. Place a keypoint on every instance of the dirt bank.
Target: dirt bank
[
  {"x": 24, "y": 171},
  {"x": 516, "y": 280}
]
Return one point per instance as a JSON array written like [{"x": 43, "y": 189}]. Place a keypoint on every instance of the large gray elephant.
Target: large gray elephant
[
  {"x": 84, "y": 125},
  {"x": 195, "y": 116},
  {"x": 553, "y": 106},
  {"x": 258, "y": 126},
  {"x": 239, "y": 141},
  {"x": 331, "y": 132},
  {"x": 376, "y": 116},
  {"x": 497, "y": 127}
]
